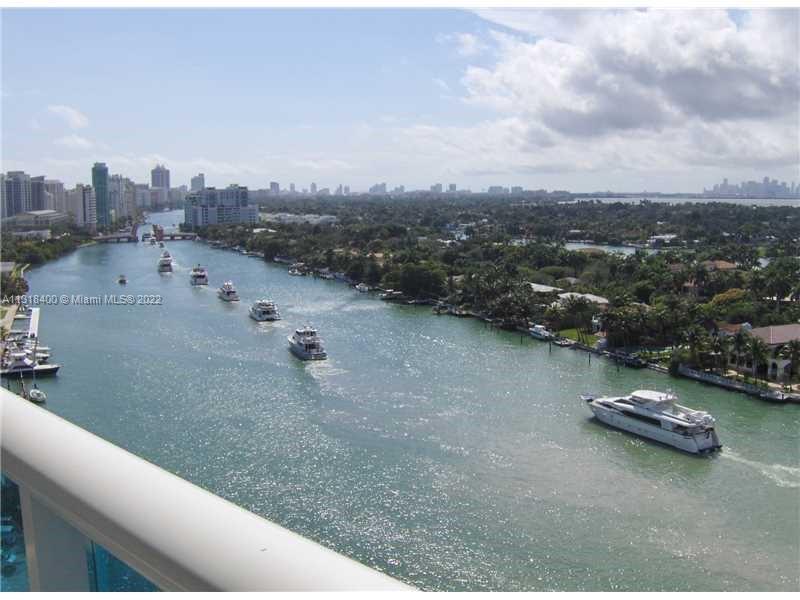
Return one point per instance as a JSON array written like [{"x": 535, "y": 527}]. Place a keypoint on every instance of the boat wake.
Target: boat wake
[{"x": 783, "y": 475}]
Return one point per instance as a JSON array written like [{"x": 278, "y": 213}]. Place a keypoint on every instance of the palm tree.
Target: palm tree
[
  {"x": 792, "y": 351},
  {"x": 740, "y": 342},
  {"x": 721, "y": 346},
  {"x": 759, "y": 351},
  {"x": 695, "y": 339}
]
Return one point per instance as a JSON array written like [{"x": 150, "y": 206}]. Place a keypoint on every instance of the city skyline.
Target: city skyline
[{"x": 422, "y": 97}]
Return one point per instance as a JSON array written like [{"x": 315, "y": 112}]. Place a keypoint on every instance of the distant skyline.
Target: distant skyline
[{"x": 584, "y": 100}]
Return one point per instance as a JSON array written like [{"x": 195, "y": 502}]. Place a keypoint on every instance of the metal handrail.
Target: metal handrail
[{"x": 176, "y": 534}]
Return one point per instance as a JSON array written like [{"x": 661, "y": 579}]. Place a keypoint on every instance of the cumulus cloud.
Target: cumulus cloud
[
  {"x": 74, "y": 118},
  {"x": 467, "y": 44},
  {"x": 630, "y": 90}
]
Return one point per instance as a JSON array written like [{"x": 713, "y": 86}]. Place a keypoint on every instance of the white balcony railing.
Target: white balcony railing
[{"x": 75, "y": 486}]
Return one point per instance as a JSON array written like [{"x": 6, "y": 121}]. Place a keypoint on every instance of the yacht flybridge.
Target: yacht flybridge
[{"x": 658, "y": 416}]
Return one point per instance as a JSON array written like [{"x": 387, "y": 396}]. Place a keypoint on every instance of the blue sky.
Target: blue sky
[{"x": 404, "y": 96}]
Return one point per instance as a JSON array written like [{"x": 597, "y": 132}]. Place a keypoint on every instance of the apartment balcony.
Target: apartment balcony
[{"x": 94, "y": 517}]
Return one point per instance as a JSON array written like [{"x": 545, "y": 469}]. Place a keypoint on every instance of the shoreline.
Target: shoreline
[{"x": 730, "y": 385}]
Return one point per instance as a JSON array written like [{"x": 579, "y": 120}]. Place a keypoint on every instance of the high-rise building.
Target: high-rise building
[
  {"x": 142, "y": 194},
  {"x": 159, "y": 177},
  {"x": 313, "y": 188},
  {"x": 38, "y": 198},
  {"x": 100, "y": 185},
  {"x": 339, "y": 190},
  {"x": 16, "y": 193},
  {"x": 346, "y": 190},
  {"x": 81, "y": 205},
  {"x": 211, "y": 206},
  {"x": 198, "y": 182},
  {"x": 451, "y": 188},
  {"x": 57, "y": 193},
  {"x": 436, "y": 188},
  {"x": 274, "y": 188},
  {"x": 291, "y": 188}
]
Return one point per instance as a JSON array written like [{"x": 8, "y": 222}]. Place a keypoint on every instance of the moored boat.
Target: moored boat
[{"x": 540, "y": 332}]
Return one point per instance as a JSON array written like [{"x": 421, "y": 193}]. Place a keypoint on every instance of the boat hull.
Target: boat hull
[
  {"x": 41, "y": 371},
  {"x": 303, "y": 355},
  {"x": 261, "y": 318},
  {"x": 694, "y": 443}
]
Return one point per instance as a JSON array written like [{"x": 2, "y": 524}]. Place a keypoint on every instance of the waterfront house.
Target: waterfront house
[
  {"x": 718, "y": 265},
  {"x": 775, "y": 337},
  {"x": 591, "y": 298}
]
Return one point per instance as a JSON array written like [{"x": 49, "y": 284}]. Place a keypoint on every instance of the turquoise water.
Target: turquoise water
[{"x": 443, "y": 452}]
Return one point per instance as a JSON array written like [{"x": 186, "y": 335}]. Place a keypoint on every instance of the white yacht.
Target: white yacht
[
  {"x": 658, "y": 416},
  {"x": 227, "y": 292},
  {"x": 198, "y": 276},
  {"x": 362, "y": 287},
  {"x": 165, "y": 262},
  {"x": 17, "y": 363},
  {"x": 305, "y": 344},
  {"x": 540, "y": 332},
  {"x": 264, "y": 310}
]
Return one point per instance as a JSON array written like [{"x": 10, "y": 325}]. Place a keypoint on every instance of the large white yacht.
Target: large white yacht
[
  {"x": 658, "y": 416},
  {"x": 306, "y": 344},
  {"x": 165, "y": 262},
  {"x": 227, "y": 292},
  {"x": 198, "y": 276},
  {"x": 264, "y": 310}
]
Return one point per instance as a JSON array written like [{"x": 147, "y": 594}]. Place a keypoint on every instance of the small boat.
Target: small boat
[
  {"x": 122, "y": 280},
  {"x": 198, "y": 276},
  {"x": 160, "y": 244},
  {"x": 18, "y": 364},
  {"x": 657, "y": 416},
  {"x": 295, "y": 272},
  {"x": 227, "y": 292},
  {"x": 165, "y": 262},
  {"x": 152, "y": 241},
  {"x": 540, "y": 332},
  {"x": 264, "y": 310},
  {"x": 362, "y": 287},
  {"x": 564, "y": 342},
  {"x": 305, "y": 344}
]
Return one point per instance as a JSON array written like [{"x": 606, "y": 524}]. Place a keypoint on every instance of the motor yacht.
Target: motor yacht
[
  {"x": 658, "y": 416},
  {"x": 198, "y": 276},
  {"x": 305, "y": 344},
  {"x": 227, "y": 292},
  {"x": 165, "y": 262},
  {"x": 540, "y": 332},
  {"x": 264, "y": 310}
]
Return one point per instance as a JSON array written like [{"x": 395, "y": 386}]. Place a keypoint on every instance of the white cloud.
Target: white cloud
[
  {"x": 74, "y": 118},
  {"x": 628, "y": 90},
  {"x": 321, "y": 164},
  {"x": 467, "y": 44},
  {"x": 73, "y": 141}
]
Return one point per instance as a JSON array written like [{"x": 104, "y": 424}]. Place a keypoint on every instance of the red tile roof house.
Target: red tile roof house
[{"x": 774, "y": 336}]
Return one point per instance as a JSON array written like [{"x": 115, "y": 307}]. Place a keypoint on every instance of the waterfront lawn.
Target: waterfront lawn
[{"x": 572, "y": 334}]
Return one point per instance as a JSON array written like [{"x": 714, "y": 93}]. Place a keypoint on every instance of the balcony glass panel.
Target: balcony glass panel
[
  {"x": 107, "y": 573},
  {"x": 13, "y": 566}
]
